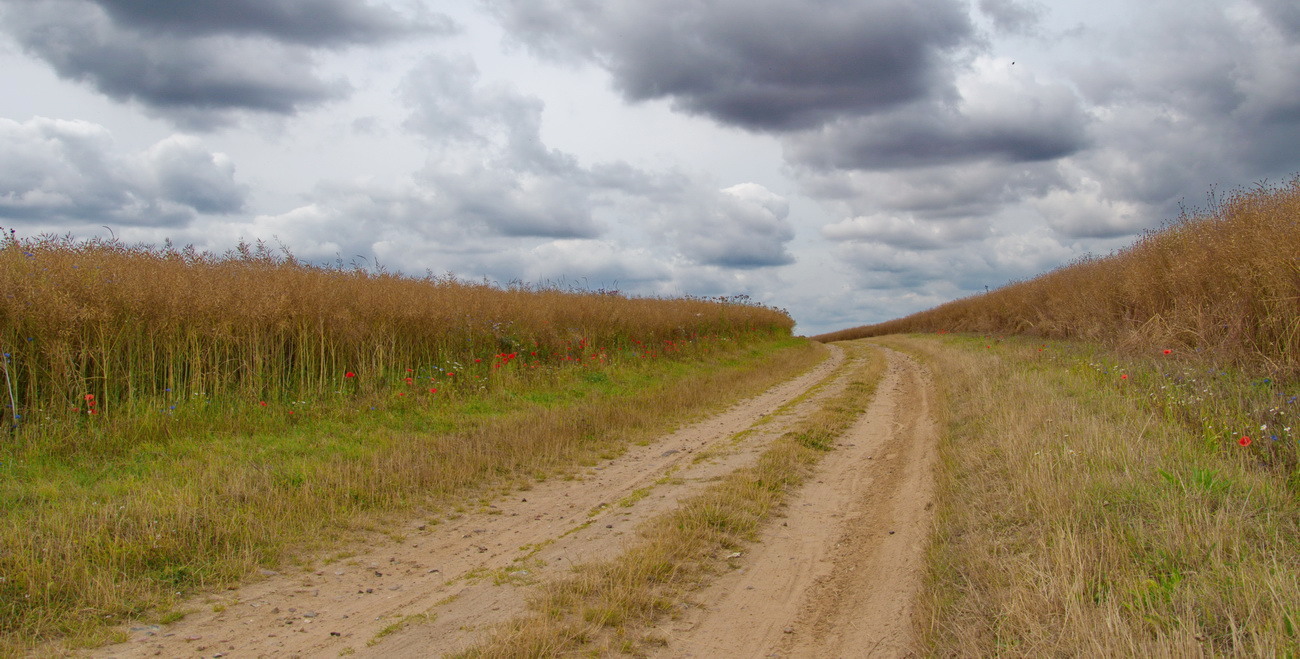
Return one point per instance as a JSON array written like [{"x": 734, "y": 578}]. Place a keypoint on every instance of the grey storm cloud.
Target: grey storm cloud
[
  {"x": 922, "y": 137},
  {"x": 309, "y": 22},
  {"x": 998, "y": 116},
  {"x": 1012, "y": 17},
  {"x": 67, "y": 171},
  {"x": 197, "y": 62},
  {"x": 934, "y": 193},
  {"x": 771, "y": 65},
  {"x": 1213, "y": 102},
  {"x": 1284, "y": 15}
]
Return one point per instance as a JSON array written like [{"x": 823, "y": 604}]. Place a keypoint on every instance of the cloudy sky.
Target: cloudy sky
[{"x": 848, "y": 160}]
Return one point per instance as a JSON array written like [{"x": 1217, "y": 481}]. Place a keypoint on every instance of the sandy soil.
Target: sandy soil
[
  {"x": 835, "y": 578},
  {"x": 838, "y": 576}
]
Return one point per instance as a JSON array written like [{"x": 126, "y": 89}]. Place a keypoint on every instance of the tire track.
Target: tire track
[{"x": 838, "y": 577}]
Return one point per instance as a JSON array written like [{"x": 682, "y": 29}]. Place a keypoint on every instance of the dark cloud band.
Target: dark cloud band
[{"x": 771, "y": 65}]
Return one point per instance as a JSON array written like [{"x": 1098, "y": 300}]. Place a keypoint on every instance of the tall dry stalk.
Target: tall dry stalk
[{"x": 134, "y": 325}]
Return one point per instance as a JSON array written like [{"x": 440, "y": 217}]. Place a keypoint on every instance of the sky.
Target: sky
[{"x": 850, "y": 161}]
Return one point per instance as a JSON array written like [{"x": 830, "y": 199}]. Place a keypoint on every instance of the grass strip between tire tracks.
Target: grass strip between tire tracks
[{"x": 603, "y": 605}]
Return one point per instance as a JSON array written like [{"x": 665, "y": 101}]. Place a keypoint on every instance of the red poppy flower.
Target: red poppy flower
[
  {"x": 1244, "y": 441},
  {"x": 1124, "y": 377},
  {"x": 90, "y": 396},
  {"x": 409, "y": 380},
  {"x": 349, "y": 374},
  {"x": 1168, "y": 351},
  {"x": 433, "y": 390},
  {"x": 92, "y": 411},
  {"x": 262, "y": 403}
]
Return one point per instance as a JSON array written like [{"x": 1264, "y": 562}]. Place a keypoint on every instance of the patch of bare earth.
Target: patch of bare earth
[
  {"x": 838, "y": 576},
  {"x": 443, "y": 584}
]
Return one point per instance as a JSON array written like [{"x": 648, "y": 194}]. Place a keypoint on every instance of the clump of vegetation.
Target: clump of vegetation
[
  {"x": 1223, "y": 284},
  {"x": 131, "y": 327}
]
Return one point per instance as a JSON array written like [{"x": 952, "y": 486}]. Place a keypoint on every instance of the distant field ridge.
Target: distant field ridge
[{"x": 1224, "y": 282}]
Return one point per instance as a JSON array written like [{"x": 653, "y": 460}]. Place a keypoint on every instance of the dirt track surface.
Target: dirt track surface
[
  {"x": 838, "y": 576},
  {"x": 834, "y": 578}
]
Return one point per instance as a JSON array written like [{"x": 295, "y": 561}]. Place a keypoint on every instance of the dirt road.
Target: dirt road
[
  {"x": 834, "y": 578},
  {"x": 837, "y": 577}
]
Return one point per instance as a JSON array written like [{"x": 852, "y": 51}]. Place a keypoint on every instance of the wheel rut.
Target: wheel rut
[{"x": 838, "y": 576}]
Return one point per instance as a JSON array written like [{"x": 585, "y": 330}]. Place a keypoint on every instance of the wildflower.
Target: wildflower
[
  {"x": 1168, "y": 351},
  {"x": 433, "y": 390},
  {"x": 1124, "y": 377},
  {"x": 90, "y": 396},
  {"x": 1244, "y": 441},
  {"x": 409, "y": 381},
  {"x": 349, "y": 374},
  {"x": 262, "y": 403}
]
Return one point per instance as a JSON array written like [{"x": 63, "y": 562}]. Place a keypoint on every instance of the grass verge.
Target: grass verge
[
  {"x": 1092, "y": 505},
  {"x": 90, "y": 538},
  {"x": 602, "y": 606}
]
